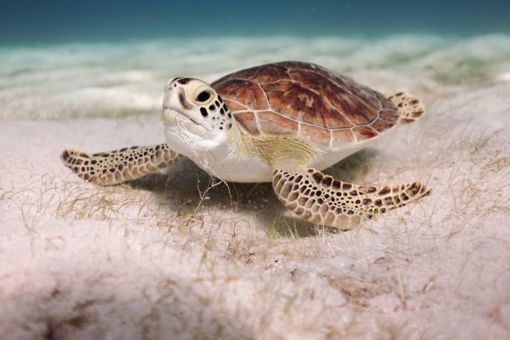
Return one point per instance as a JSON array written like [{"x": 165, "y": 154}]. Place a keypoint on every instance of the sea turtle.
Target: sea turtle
[{"x": 281, "y": 123}]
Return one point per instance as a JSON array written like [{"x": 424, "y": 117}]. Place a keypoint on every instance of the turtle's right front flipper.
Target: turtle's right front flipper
[
  {"x": 108, "y": 168},
  {"x": 324, "y": 200}
]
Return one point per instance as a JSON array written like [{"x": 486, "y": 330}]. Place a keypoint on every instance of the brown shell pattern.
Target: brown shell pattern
[{"x": 303, "y": 99}]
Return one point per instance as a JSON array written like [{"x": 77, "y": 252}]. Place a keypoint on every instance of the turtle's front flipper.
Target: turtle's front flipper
[
  {"x": 323, "y": 200},
  {"x": 107, "y": 168}
]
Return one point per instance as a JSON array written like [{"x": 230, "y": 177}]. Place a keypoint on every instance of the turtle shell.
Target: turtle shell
[{"x": 305, "y": 100}]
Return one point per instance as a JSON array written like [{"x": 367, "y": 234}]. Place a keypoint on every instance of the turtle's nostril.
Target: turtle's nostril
[{"x": 172, "y": 83}]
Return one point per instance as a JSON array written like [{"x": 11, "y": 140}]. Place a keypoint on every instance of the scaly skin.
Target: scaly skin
[
  {"x": 119, "y": 166},
  {"x": 321, "y": 199}
]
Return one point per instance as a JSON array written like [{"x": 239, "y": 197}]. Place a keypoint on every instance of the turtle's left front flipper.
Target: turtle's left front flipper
[
  {"x": 113, "y": 167},
  {"x": 324, "y": 200}
]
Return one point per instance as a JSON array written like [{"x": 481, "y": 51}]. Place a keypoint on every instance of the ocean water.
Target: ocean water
[
  {"x": 61, "y": 59},
  {"x": 30, "y": 21}
]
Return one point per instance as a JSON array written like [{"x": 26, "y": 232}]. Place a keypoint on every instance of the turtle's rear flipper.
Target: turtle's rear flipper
[
  {"x": 409, "y": 107},
  {"x": 113, "y": 167}
]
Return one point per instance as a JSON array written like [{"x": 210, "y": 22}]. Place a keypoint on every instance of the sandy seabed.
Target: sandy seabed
[{"x": 180, "y": 255}]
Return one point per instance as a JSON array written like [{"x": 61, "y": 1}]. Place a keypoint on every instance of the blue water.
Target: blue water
[{"x": 38, "y": 21}]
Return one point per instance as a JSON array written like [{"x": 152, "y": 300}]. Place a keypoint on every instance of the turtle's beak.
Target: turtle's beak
[
  {"x": 175, "y": 98},
  {"x": 168, "y": 116},
  {"x": 172, "y": 117},
  {"x": 170, "y": 104}
]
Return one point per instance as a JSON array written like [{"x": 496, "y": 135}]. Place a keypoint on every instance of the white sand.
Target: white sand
[{"x": 162, "y": 258}]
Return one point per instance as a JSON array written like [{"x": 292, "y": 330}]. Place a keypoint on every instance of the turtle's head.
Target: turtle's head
[{"x": 193, "y": 105}]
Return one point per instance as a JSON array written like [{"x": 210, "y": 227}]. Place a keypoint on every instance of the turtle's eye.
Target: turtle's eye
[{"x": 203, "y": 96}]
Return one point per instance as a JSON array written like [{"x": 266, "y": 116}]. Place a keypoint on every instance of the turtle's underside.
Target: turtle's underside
[{"x": 282, "y": 122}]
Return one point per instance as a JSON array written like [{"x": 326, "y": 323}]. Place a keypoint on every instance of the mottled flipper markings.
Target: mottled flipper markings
[
  {"x": 323, "y": 200},
  {"x": 113, "y": 167},
  {"x": 410, "y": 108}
]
